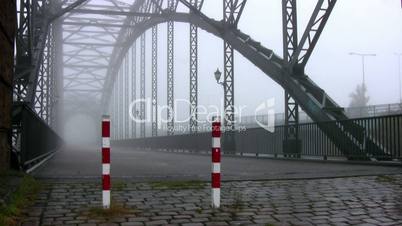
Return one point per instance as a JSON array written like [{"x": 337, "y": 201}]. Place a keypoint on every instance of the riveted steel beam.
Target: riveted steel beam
[{"x": 290, "y": 42}]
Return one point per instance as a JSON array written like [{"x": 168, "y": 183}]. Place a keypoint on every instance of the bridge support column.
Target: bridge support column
[
  {"x": 291, "y": 142},
  {"x": 154, "y": 110},
  {"x": 134, "y": 88},
  {"x": 125, "y": 98},
  {"x": 58, "y": 79},
  {"x": 194, "y": 72},
  {"x": 232, "y": 11},
  {"x": 142, "y": 86},
  {"x": 8, "y": 20},
  {"x": 170, "y": 71}
]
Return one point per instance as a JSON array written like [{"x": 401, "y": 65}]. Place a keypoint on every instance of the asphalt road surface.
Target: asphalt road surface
[{"x": 146, "y": 165}]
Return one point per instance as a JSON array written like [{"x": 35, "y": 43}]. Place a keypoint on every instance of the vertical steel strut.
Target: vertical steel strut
[
  {"x": 232, "y": 10},
  {"x": 154, "y": 110},
  {"x": 194, "y": 72},
  {"x": 170, "y": 71},
  {"x": 142, "y": 86},
  {"x": 134, "y": 87},
  {"x": 290, "y": 43}
]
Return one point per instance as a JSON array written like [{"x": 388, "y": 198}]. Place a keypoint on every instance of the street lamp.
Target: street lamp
[
  {"x": 228, "y": 143},
  {"x": 218, "y": 75},
  {"x": 399, "y": 55},
  {"x": 363, "y": 55}
]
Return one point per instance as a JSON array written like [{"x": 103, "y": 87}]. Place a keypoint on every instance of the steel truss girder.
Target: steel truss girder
[
  {"x": 290, "y": 43},
  {"x": 91, "y": 45},
  {"x": 125, "y": 97},
  {"x": 115, "y": 113},
  {"x": 170, "y": 70},
  {"x": 34, "y": 80},
  {"x": 134, "y": 86},
  {"x": 144, "y": 6},
  {"x": 44, "y": 94},
  {"x": 232, "y": 10},
  {"x": 318, "y": 105},
  {"x": 32, "y": 33},
  {"x": 194, "y": 71},
  {"x": 312, "y": 33},
  {"x": 120, "y": 102},
  {"x": 142, "y": 85},
  {"x": 154, "y": 110}
]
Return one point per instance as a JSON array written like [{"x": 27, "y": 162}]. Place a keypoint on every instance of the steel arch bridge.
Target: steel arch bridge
[{"x": 75, "y": 51}]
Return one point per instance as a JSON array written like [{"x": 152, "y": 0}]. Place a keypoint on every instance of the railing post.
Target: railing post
[
  {"x": 216, "y": 163},
  {"x": 106, "y": 161}
]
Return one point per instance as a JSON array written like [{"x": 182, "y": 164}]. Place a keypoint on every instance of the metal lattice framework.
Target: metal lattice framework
[
  {"x": 232, "y": 11},
  {"x": 88, "y": 43},
  {"x": 94, "y": 50},
  {"x": 194, "y": 70},
  {"x": 34, "y": 80},
  {"x": 316, "y": 103},
  {"x": 154, "y": 110},
  {"x": 290, "y": 43},
  {"x": 142, "y": 86},
  {"x": 170, "y": 70},
  {"x": 134, "y": 88}
]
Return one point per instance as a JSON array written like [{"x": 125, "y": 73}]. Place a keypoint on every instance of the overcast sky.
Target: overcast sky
[{"x": 367, "y": 26}]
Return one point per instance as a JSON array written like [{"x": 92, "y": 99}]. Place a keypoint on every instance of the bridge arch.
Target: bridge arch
[
  {"x": 265, "y": 59},
  {"x": 314, "y": 101}
]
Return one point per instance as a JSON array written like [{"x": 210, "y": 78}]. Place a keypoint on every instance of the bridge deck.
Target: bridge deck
[{"x": 147, "y": 165}]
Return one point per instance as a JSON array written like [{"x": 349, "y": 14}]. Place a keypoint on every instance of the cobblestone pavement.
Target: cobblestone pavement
[{"x": 368, "y": 200}]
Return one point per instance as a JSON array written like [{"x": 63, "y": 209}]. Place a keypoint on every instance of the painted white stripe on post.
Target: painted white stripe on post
[
  {"x": 216, "y": 167},
  {"x": 106, "y": 142},
  {"x": 216, "y": 197},
  {"x": 106, "y": 198},
  {"x": 105, "y": 169},
  {"x": 216, "y": 142}
]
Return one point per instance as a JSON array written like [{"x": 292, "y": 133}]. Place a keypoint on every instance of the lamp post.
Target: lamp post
[
  {"x": 228, "y": 145},
  {"x": 399, "y": 55},
  {"x": 363, "y": 56},
  {"x": 218, "y": 75}
]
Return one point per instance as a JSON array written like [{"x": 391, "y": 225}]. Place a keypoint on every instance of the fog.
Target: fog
[{"x": 364, "y": 26}]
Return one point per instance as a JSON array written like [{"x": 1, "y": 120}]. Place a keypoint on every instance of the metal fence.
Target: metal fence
[
  {"x": 250, "y": 121},
  {"x": 33, "y": 139},
  {"x": 374, "y": 133}
]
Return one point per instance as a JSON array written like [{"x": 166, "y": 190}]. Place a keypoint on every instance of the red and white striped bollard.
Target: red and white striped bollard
[
  {"x": 216, "y": 163},
  {"x": 106, "y": 161}
]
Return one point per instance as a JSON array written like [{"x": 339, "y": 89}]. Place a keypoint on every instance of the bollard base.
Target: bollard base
[
  {"x": 216, "y": 197},
  {"x": 106, "y": 199}
]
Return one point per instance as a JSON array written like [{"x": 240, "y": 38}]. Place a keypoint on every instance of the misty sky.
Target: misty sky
[{"x": 366, "y": 26}]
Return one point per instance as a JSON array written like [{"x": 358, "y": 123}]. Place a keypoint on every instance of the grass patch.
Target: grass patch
[
  {"x": 386, "y": 179},
  {"x": 178, "y": 185},
  {"x": 24, "y": 196},
  {"x": 115, "y": 210}
]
